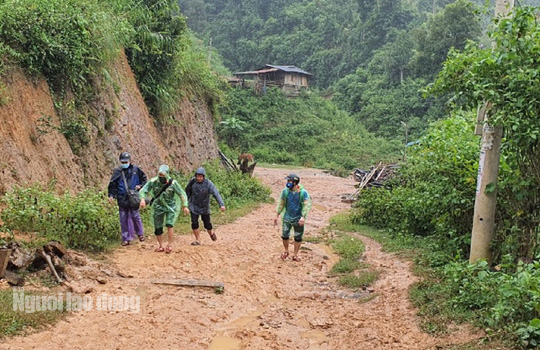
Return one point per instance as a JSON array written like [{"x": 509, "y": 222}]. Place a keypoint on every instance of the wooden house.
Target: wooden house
[{"x": 289, "y": 78}]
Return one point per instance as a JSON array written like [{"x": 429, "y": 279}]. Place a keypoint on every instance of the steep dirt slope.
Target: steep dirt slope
[{"x": 119, "y": 120}]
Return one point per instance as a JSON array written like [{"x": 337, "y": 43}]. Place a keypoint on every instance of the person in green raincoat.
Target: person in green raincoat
[{"x": 169, "y": 200}]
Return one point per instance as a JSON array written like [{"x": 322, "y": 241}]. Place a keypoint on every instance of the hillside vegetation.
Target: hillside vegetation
[
  {"x": 308, "y": 130},
  {"x": 70, "y": 43},
  {"x": 433, "y": 196}
]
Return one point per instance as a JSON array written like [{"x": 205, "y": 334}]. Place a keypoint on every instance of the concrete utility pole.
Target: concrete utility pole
[
  {"x": 488, "y": 172},
  {"x": 210, "y": 52},
  {"x": 406, "y": 127}
]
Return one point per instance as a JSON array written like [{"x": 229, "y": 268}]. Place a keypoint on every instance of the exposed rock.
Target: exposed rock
[
  {"x": 101, "y": 280},
  {"x": 21, "y": 258},
  {"x": 78, "y": 260},
  {"x": 320, "y": 323},
  {"x": 14, "y": 279},
  {"x": 56, "y": 248},
  {"x": 82, "y": 287}
]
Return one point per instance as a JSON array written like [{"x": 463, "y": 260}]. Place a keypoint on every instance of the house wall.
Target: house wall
[{"x": 296, "y": 79}]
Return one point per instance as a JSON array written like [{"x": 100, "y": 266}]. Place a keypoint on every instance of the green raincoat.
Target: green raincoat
[{"x": 170, "y": 202}]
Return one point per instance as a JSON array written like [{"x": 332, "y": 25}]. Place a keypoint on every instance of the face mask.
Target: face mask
[
  {"x": 125, "y": 165},
  {"x": 290, "y": 185},
  {"x": 163, "y": 180}
]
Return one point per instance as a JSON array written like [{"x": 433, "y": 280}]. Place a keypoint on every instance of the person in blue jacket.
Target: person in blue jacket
[
  {"x": 198, "y": 191},
  {"x": 130, "y": 219}
]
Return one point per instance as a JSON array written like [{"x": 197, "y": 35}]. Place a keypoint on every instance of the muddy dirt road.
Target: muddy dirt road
[{"x": 267, "y": 303}]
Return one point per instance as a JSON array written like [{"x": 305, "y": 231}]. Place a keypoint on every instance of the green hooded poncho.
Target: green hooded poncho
[{"x": 169, "y": 202}]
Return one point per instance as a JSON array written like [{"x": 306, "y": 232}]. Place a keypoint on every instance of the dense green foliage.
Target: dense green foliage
[
  {"x": 508, "y": 78},
  {"x": 433, "y": 193},
  {"x": 71, "y": 42},
  {"x": 83, "y": 221},
  {"x": 375, "y": 55},
  {"x": 65, "y": 41},
  {"x": 159, "y": 27},
  {"x": 387, "y": 91},
  {"x": 308, "y": 130},
  {"x": 327, "y": 38},
  {"x": 166, "y": 58}
]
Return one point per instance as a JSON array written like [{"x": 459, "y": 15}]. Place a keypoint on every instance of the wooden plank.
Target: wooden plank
[
  {"x": 190, "y": 283},
  {"x": 380, "y": 173},
  {"x": 367, "y": 178}
]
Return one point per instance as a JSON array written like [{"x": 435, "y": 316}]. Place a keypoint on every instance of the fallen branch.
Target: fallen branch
[{"x": 51, "y": 266}]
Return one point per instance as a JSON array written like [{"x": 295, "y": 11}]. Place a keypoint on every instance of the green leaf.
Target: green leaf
[
  {"x": 490, "y": 188},
  {"x": 535, "y": 323}
]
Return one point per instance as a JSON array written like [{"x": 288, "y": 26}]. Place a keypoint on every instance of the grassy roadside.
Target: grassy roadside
[
  {"x": 14, "y": 322},
  {"x": 349, "y": 270},
  {"x": 430, "y": 295}
]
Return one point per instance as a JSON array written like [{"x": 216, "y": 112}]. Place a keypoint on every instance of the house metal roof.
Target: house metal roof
[
  {"x": 271, "y": 68},
  {"x": 255, "y": 72},
  {"x": 290, "y": 69}
]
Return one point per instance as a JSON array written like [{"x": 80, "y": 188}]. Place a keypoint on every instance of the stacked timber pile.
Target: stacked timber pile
[{"x": 374, "y": 177}]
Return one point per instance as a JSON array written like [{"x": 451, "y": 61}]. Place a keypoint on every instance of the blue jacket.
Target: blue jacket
[{"x": 117, "y": 189}]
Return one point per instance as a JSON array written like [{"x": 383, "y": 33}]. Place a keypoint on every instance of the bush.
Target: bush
[
  {"x": 84, "y": 221},
  {"x": 508, "y": 299},
  {"x": 434, "y": 191}
]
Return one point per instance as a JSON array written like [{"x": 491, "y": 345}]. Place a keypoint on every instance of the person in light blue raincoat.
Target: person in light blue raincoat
[
  {"x": 294, "y": 205},
  {"x": 169, "y": 199}
]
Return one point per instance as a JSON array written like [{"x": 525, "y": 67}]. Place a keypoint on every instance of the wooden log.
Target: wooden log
[
  {"x": 51, "y": 266},
  {"x": 190, "y": 283},
  {"x": 367, "y": 178},
  {"x": 55, "y": 248},
  {"x": 380, "y": 173},
  {"x": 226, "y": 162}
]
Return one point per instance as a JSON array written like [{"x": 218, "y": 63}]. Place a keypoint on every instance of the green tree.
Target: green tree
[
  {"x": 231, "y": 128},
  {"x": 508, "y": 78},
  {"x": 449, "y": 28},
  {"x": 159, "y": 27}
]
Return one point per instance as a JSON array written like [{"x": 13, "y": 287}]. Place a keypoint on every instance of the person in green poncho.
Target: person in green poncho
[
  {"x": 168, "y": 200},
  {"x": 294, "y": 205}
]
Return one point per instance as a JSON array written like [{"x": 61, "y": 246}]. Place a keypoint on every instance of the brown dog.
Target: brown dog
[{"x": 245, "y": 157}]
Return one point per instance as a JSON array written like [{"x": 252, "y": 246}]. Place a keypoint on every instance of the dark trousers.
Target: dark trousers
[{"x": 205, "y": 219}]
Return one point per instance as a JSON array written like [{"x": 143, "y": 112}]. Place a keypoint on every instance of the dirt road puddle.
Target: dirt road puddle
[
  {"x": 245, "y": 320},
  {"x": 222, "y": 342},
  {"x": 315, "y": 337}
]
